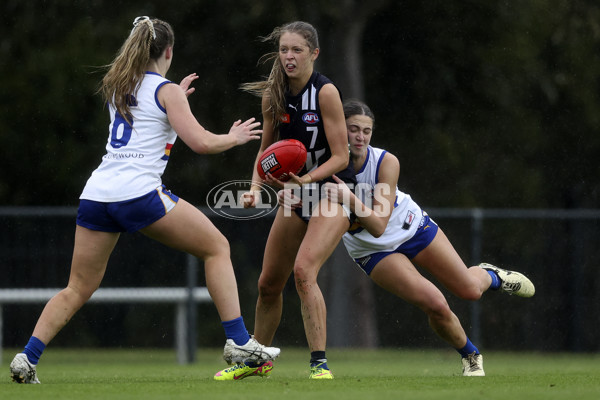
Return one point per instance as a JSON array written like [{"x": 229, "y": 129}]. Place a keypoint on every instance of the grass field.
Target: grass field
[{"x": 359, "y": 374}]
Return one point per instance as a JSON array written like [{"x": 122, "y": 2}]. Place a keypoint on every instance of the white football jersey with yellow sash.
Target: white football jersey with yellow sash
[
  {"x": 137, "y": 154},
  {"x": 403, "y": 223}
]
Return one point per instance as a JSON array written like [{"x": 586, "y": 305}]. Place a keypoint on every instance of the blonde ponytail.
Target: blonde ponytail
[{"x": 148, "y": 40}]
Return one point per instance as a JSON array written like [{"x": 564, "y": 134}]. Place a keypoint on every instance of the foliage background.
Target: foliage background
[{"x": 487, "y": 104}]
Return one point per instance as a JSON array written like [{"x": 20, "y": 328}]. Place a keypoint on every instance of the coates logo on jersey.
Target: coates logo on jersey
[{"x": 310, "y": 118}]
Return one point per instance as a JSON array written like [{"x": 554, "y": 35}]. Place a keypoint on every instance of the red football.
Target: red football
[{"x": 281, "y": 158}]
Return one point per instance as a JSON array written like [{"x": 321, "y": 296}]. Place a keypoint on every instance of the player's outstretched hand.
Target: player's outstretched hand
[
  {"x": 245, "y": 131},
  {"x": 186, "y": 82}
]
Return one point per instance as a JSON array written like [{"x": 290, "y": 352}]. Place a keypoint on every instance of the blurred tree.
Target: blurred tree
[
  {"x": 350, "y": 297},
  {"x": 489, "y": 92},
  {"x": 487, "y": 104}
]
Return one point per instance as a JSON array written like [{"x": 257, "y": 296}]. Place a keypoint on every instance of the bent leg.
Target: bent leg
[
  {"x": 396, "y": 274},
  {"x": 280, "y": 252},
  {"x": 322, "y": 236},
  {"x": 441, "y": 259},
  {"x": 90, "y": 258},
  {"x": 187, "y": 229}
]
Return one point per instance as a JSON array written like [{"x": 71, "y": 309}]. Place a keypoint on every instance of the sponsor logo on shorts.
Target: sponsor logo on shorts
[{"x": 363, "y": 261}]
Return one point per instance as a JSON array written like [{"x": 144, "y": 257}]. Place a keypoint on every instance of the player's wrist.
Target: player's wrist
[{"x": 306, "y": 179}]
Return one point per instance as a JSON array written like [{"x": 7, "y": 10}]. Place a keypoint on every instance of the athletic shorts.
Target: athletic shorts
[
  {"x": 128, "y": 215},
  {"x": 351, "y": 216},
  {"x": 312, "y": 193},
  {"x": 413, "y": 246}
]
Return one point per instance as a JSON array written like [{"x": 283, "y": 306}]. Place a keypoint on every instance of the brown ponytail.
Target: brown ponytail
[{"x": 276, "y": 84}]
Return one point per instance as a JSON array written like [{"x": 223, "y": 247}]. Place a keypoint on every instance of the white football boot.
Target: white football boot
[
  {"x": 512, "y": 282},
  {"x": 473, "y": 365},
  {"x": 22, "y": 371},
  {"x": 252, "y": 351}
]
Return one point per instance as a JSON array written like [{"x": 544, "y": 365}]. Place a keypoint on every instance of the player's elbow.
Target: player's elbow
[
  {"x": 377, "y": 229},
  {"x": 378, "y": 232},
  {"x": 342, "y": 161},
  {"x": 345, "y": 158},
  {"x": 198, "y": 139},
  {"x": 200, "y": 148}
]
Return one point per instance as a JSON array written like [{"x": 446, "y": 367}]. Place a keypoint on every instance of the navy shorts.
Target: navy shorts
[
  {"x": 422, "y": 238},
  {"x": 128, "y": 215},
  {"x": 313, "y": 192}
]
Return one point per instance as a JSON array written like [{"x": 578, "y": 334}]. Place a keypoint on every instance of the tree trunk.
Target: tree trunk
[{"x": 348, "y": 291}]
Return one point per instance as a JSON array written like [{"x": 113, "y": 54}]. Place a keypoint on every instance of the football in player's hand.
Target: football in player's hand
[{"x": 281, "y": 158}]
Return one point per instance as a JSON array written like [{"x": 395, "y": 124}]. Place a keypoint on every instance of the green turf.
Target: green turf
[{"x": 359, "y": 374}]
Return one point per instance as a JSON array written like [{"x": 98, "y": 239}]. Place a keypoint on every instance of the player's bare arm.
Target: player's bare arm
[
  {"x": 376, "y": 217},
  {"x": 200, "y": 140}
]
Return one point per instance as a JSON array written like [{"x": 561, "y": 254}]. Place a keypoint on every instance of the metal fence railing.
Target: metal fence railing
[
  {"x": 559, "y": 249},
  {"x": 477, "y": 218}
]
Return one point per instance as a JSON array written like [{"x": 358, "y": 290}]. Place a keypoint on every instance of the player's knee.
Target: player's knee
[
  {"x": 305, "y": 279},
  {"x": 471, "y": 292},
  {"x": 303, "y": 273},
  {"x": 269, "y": 290},
  {"x": 77, "y": 296},
  {"x": 439, "y": 309},
  {"x": 219, "y": 246}
]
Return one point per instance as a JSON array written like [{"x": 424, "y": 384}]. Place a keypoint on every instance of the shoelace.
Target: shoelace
[
  {"x": 511, "y": 287},
  {"x": 236, "y": 366},
  {"x": 472, "y": 360},
  {"x": 318, "y": 368},
  {"x": 258, "y": 349}
]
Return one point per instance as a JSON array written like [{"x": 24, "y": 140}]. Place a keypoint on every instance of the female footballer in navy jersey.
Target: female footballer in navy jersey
[
  {"x": 393, "y": 232},
  {"x": 299, "y": 103},
  {"x": 125, "y": 193}
]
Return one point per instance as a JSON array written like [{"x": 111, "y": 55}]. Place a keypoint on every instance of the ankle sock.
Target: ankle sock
[
  {"x": 496, "y": 282},
  {"x": 468, "y": 349},
  {"x": 34, "y": 349},
  {"x": 318, "y": 357},
  {"x": 236, "y": 330}
]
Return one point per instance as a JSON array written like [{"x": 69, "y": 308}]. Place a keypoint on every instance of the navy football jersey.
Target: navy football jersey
[{"x": 303, "y": 122}]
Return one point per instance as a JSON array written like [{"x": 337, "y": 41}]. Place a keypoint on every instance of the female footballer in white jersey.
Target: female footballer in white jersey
[
  {"x": 125, "y": 193},
  {"x": 393, "y": 232}
]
